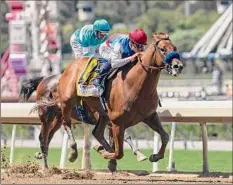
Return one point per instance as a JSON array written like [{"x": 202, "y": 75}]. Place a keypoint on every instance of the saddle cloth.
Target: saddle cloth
[{"x": 85, "y": 86}]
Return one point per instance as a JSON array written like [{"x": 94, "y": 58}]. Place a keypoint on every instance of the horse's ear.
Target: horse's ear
[
  {"x": 155, "y": 36},
  {"x": 166, "y": 35}
]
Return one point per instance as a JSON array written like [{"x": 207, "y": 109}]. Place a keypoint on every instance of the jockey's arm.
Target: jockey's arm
[
  {"x": 81, "y": 51},
  {"x": 114, "y": 56},
  {"x": 89, "y": 51},
  {"x": 116, "y": 62}
]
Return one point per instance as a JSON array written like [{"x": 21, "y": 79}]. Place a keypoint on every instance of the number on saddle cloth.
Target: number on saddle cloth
[
  {"x": 89, "y": 71},
  {"x": 93, "y": 70}
]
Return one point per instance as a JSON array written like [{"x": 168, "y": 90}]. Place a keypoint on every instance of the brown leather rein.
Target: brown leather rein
[
  {"x": 148, "y": 66},
  {"x": 156, "y": 49}
]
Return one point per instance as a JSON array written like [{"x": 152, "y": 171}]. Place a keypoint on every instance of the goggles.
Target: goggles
[
  {"x": 102, "y": 34},
  {"x": 139, "y": 46}
]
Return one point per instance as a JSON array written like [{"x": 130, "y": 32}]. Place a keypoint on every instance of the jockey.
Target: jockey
[
  {"x": 85, "y": 41},
  {"x": 119, "y": 50}
]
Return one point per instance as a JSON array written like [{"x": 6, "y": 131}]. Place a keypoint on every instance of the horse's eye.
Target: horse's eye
[{"x": 163, "y": 49}]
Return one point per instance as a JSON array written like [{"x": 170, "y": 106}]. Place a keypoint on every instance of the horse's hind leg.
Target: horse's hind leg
[
  {"x": 43, "y": 137},
  {"x": 154, "y": 122},
  {"x": 56, "y": 125},
  {"x": 66, "y": 111},
  {"x": 47, "y": 117},
  {"x": 112, "y": 164}
]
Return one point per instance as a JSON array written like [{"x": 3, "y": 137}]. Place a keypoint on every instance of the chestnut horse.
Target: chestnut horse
[
  {"x": 51, "y": 118},
  {"x": 131, "y": 97}
]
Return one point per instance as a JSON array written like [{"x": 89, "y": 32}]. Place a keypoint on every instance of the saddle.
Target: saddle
[{"x": 85, "y": 82}]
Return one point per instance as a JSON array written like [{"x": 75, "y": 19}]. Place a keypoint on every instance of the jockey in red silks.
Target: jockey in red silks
[{"x": 118, "y": 50}]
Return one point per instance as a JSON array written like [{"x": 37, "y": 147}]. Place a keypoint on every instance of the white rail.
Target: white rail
[{"x": 201, "y": 112}]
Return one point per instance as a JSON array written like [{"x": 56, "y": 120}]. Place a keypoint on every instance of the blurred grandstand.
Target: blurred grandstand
[{"x": 36, "y": 48}]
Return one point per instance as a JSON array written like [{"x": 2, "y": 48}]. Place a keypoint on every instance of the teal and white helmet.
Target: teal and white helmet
[{"x": 101, "y": 25}]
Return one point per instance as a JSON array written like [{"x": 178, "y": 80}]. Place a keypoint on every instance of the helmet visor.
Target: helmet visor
[
  {"x": 101, "y": 34},
  {"x": 140, "y": 47}
]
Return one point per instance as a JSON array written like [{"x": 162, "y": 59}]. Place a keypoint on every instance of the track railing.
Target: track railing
[{"x": 190, "y": 112}]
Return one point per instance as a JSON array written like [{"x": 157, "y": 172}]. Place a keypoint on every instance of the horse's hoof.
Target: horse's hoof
[
  {"x": 38, "y": 155},
  {"x": 73, "y": 156},
  {"x": 98, "y": 148},
  {"x": 108, "y": 155},
  {"x": 112, "y": 166},
  {"x": 154, "y": 158},
  {"x": 141, "y": 157}
]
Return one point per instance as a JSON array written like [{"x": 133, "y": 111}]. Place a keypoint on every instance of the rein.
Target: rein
[
  {"x": 148, "y": 66},
  {"x": 156, "y": 49}
]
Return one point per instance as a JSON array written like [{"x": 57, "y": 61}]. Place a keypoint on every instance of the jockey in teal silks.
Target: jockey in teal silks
[{"x": 85, "y": 42}]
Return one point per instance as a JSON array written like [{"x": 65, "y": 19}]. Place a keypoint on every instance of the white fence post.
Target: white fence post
[
  {"x": 12, "y": 144},
  {"x": 172, "y": 140},
  {"x": 156, "y": 150},
  {"x": 64, "y": 150},
  {"x": 205, "y": 147},
  {"x": 86, "y": 163}
]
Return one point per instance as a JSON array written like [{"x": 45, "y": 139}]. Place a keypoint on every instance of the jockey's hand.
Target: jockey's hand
[{"x": 135, "y": 56}]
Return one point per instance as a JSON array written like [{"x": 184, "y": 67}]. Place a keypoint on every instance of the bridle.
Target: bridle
[{"x": 156, "y": 48}]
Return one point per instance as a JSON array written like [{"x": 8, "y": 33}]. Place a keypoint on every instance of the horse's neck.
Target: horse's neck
[
  {"x": 144, "y": 79},
  {"x": 148, "y": 55},
  {"x": 151, "y": 75}
]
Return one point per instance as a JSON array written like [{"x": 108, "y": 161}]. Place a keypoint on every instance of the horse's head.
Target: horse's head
[{"x": 165, "y": 55}]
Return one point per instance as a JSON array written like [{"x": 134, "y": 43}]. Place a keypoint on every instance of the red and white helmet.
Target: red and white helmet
[{"x": 138, "y": 36}]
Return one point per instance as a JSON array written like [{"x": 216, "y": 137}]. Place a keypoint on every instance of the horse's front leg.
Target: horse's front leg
[
  {"x": 118, "y": 139},
  {"x": 136, "y": 151},
  {"x": 112, "y": 164},
  {"x": 98, "y": 133},
  {"x": 128, "y": 140},
  {"x": 154, "y": 122}
]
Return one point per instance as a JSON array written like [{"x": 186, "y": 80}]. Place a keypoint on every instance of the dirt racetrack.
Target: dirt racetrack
[{"x": 31, "y": 174}]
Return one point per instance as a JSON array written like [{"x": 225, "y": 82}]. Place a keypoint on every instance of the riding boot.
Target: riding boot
[
  {"x": 98, "y": 83},
  {"x": 103, "y": 70}
]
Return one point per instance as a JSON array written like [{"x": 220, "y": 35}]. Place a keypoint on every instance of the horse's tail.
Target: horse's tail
[
  {"x": 28, "y": 87},
  {"x": 43, "y": 103}
]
